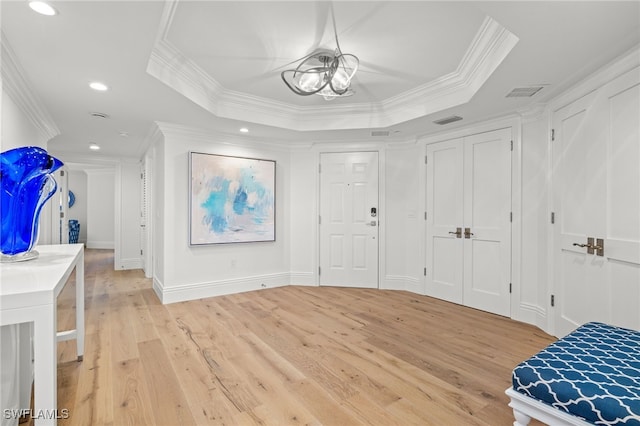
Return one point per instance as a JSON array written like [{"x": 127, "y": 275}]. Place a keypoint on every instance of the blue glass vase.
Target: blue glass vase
[{"x": 27, "y": 183}]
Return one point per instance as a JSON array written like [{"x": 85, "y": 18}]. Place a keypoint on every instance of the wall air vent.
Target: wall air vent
[
  {"x": 99, "y": 115},
  {"x": 379, "y": 133},
  {"x": 524, "y": 92},
  {"x": 448, "y": 120}
]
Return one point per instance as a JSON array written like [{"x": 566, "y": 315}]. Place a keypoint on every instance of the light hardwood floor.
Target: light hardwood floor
[{"x": 283, "y": 356}]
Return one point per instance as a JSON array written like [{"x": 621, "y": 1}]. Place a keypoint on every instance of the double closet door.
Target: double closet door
[
  {"x": 469, "y": 221},
  {"x": 596, "y": 174}
]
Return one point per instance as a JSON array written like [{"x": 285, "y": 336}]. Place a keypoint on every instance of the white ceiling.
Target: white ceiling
[{"x": 216, "y": 65}]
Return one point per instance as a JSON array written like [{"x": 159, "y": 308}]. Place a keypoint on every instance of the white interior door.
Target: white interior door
[
  {"x": 597, "y": 195},
  {"x": 469, "y": 221},
  {"x": 445, "y": 220},
  {"x": 349, "y": 219},
  {"x": 487, "y": 221}
]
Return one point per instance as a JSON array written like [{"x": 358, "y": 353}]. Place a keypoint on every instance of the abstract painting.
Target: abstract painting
[{"x": 232, "y": 199}]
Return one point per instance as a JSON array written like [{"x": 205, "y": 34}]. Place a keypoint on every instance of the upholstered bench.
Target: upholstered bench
[{"x": 590, "y": 376}]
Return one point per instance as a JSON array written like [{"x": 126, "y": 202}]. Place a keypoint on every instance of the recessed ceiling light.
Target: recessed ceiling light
[
  {"x": 94, "y": 146},
  {"x": 43, "y": 8},
  {"x": 100, "y": 87},
  {"x": 244, "y": 130}
]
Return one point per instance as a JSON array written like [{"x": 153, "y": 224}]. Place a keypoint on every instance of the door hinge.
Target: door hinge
[
  {"x": 425, "y": 215},
  {"x": 319, "y": 270},
  {"x": 553, "y": 218},
  {"x": 510, "y": 216},
  {"x": 319, "y": 220},
  {"x": 553, "y": 134},
  {"x": 140, "y": 252},
  {"x": 319, "y": 168},
  {"x": 553, "y": 300},
  {"x": 511, "y": 145},
  {"x": 510, "y": 288},
  {"x": 425, "y": 271},
  {"x": 61, "y": 172},
  {"x": 425, "y": 159}
]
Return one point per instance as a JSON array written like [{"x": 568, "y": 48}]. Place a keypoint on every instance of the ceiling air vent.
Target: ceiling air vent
[
  {"x": 524, "y": 92},
  {"x": 379, "y": 133},
  {"x": 448, "y": 120},
  {"x": 99, "y": 115}
]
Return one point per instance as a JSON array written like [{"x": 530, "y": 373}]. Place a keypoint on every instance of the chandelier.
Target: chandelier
[{"x": 323, "y": 73}]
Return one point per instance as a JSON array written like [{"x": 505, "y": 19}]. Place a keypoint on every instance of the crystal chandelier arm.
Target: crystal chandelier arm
[
  {"x": 297, "y": 90},
  {"x": 349, "y": 72}
]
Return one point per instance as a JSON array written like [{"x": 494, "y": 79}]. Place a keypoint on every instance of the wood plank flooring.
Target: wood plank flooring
[{"x": 283, "y": 356}]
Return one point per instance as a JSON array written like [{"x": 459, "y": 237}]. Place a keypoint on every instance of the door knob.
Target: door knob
[
  {"x": 467, "y": 233},
  {"x": 458, "y": 233},
  {"x": 590, "y": 245},
  {"x": 372, "y": 223}
]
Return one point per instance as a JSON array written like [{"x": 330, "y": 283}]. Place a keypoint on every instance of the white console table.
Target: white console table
[{"x": 28, "y": 293}]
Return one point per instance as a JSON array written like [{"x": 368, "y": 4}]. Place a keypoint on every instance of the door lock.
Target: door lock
[{"x": 599, "y": 247}]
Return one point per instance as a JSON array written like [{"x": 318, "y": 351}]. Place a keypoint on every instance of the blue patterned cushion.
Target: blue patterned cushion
[{"x": 593, "y": 373}]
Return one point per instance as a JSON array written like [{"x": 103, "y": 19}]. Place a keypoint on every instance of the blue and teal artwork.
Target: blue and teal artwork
[{"x": 232, "y": 199}]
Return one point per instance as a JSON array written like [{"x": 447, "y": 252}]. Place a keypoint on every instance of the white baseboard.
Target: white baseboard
[
  {"x": 100, "y": 245},
  {"x": 132, "y": 263},
  {"x": 531, "y": 314},
  {"x": 402, "y": 282},
  {"x": 181, "y": 293},
  {"x": 303, "y": 278},
  {"x": 158, "y": 288}
]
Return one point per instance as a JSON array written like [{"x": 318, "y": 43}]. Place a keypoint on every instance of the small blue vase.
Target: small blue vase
[{"x": 27, "y": 183}]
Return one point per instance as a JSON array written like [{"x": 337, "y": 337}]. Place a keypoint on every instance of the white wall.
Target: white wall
[
  {"x": 533, "y": 289},
  {"x": 403, "y": 224},
  {"x": 78, "y": 185},
  {"x": 157, "y": 213},
  {"x": 303, "y": 222},
  {"x": 17, "y": 128},
  {"x": 100, "y": 208},
  {"x": 202, "y": 271}
]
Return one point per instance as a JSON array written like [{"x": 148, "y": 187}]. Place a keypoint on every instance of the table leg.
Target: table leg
[
  {"x": 80, "y": 306},
  {"x": 44, "y": 366}
]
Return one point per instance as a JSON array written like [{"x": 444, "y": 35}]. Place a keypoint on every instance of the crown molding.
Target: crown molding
[
  {"x": 88, "y": 159},
  {"x": 19, "y": 89},
  {"x": 623, "y": 64},
  {"x": 180, "y": 132},
  {"x": 490, "y": 46}
]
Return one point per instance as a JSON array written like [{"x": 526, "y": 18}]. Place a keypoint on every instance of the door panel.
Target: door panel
[
  {"x": 597, "y": 194},
  {"x": 444, "y": 216},
  {"x": 348, "y": 231},
  {"x": 487, "y": 200}
]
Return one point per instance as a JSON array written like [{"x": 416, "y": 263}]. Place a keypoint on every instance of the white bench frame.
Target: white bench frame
[{"x": 525, "y": 408}]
